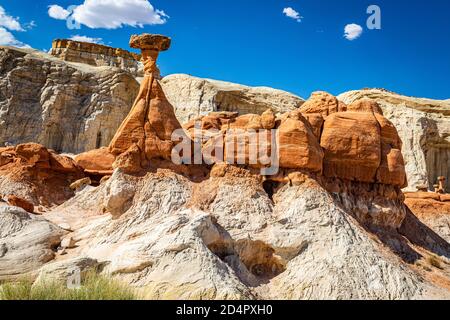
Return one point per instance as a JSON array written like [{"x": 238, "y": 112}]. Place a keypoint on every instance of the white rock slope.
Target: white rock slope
[
  {"x": 27, "y": 242},
  {"x": 193, "y": 97},
  {"x": 224, "y": 238},
  {"x": 65, "y": 106}
]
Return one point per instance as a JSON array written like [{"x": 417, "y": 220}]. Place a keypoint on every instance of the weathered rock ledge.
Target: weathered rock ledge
[{"x": 97, "y": 55}]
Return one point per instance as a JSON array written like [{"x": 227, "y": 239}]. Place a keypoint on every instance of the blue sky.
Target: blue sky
[{"x": 253, "y": 42}]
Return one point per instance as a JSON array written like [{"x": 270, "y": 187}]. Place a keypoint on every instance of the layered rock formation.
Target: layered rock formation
[
  {"x": 37, "y": 175},
  {"x": 63, "y": 106},
  {"x": 193, "y": 97},
  {"x": 291, "y": 136},
  {"x": 356, "y": 145},
  {"x": 433, "y": 209},
  {"x": 97, "y": 55},
  {"x": 226, "y": 238},
  {"x": 423, "y": 126},
  {"x": 147, "y": 130}
]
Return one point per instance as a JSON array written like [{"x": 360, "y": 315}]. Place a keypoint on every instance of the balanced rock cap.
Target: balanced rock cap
[{"x": 149, "y": 41}]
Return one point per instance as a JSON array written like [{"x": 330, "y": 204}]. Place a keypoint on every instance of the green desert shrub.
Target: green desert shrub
[{"x": 94, "y": 287}]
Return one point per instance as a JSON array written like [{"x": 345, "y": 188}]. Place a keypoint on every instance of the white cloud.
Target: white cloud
[
  {"x": 9, "y": 22},
  {"x": 352, "y": 31},
  {"x": 86, "y": 39},
  {"x": 291, "y": 13},
  {"x": 58, "y": 12},
  {"x": 8, "y": 39},
  {"x": 113, "y": 14}
]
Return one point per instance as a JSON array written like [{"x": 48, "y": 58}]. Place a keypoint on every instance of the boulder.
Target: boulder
[
  {"x": 214, "y": 120},
  {"x": 21, "y": 203},
  {"x": 392, "y": 166},
  {"x": 316, "y": 120},
  {"x": 322, "y": 103},
  {"x": 352, "y": 146},
  {"x": 424, "y": 127},
  {"x": 68, "y": 243},
  {"x": 298, "y": 146},
  {"x": 318, "y": 107},
  {"x": 131, "y": 161},
  {"x": 245, "y": 122},
  {"x": 79, "y": 184},
  {"x": 38, "y": 175},
  {"x": 97, "y": 161},
  {"x": 35, "y": 154},
  {"x": 268, "y": 119},
  {"x": 63, "y": 271},
  {"x": 244, "y": 147}
]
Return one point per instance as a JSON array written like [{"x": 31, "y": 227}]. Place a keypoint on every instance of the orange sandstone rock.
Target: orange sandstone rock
[
  {"x": 352, "y": 146},
  {"x": 426, "y": 209},
  {"x": 44, "y": 176},
  {"x": 365, "y": 105},
  {"x": 21, "y": 203},
  {"x": 316, "y": 120},
  {"x": 298, "y": 146},
  {"x": 214, "y": 120},
  {"x": 98, "y": 161},
  {"x": 392, "y": 166},
  {"x": 423, "y": 195},
  {"x": 268, "y": 119},
  {"x": 130, "y": 161},
  {"x": 319, "y": 106},
  {"x": 34, "y": 154},
  {"x": 322, "y": 103},
  {"x": 248, "y": 121},
  {"x": 325, "y": 135},
  {"x": 151, "y": 121},
  {"x": 362, "y": 145}
]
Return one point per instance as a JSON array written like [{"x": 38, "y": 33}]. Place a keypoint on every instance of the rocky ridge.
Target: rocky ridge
[
  {"x": 64, "y": 106},
  {"x": 192, "y": 97},
  {"x": 97, "y": 55}
]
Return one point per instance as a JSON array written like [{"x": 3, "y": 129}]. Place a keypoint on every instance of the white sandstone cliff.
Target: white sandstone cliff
[
  {"x": 69, "y": 107},
  {"x": 192, "y": 97}
]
